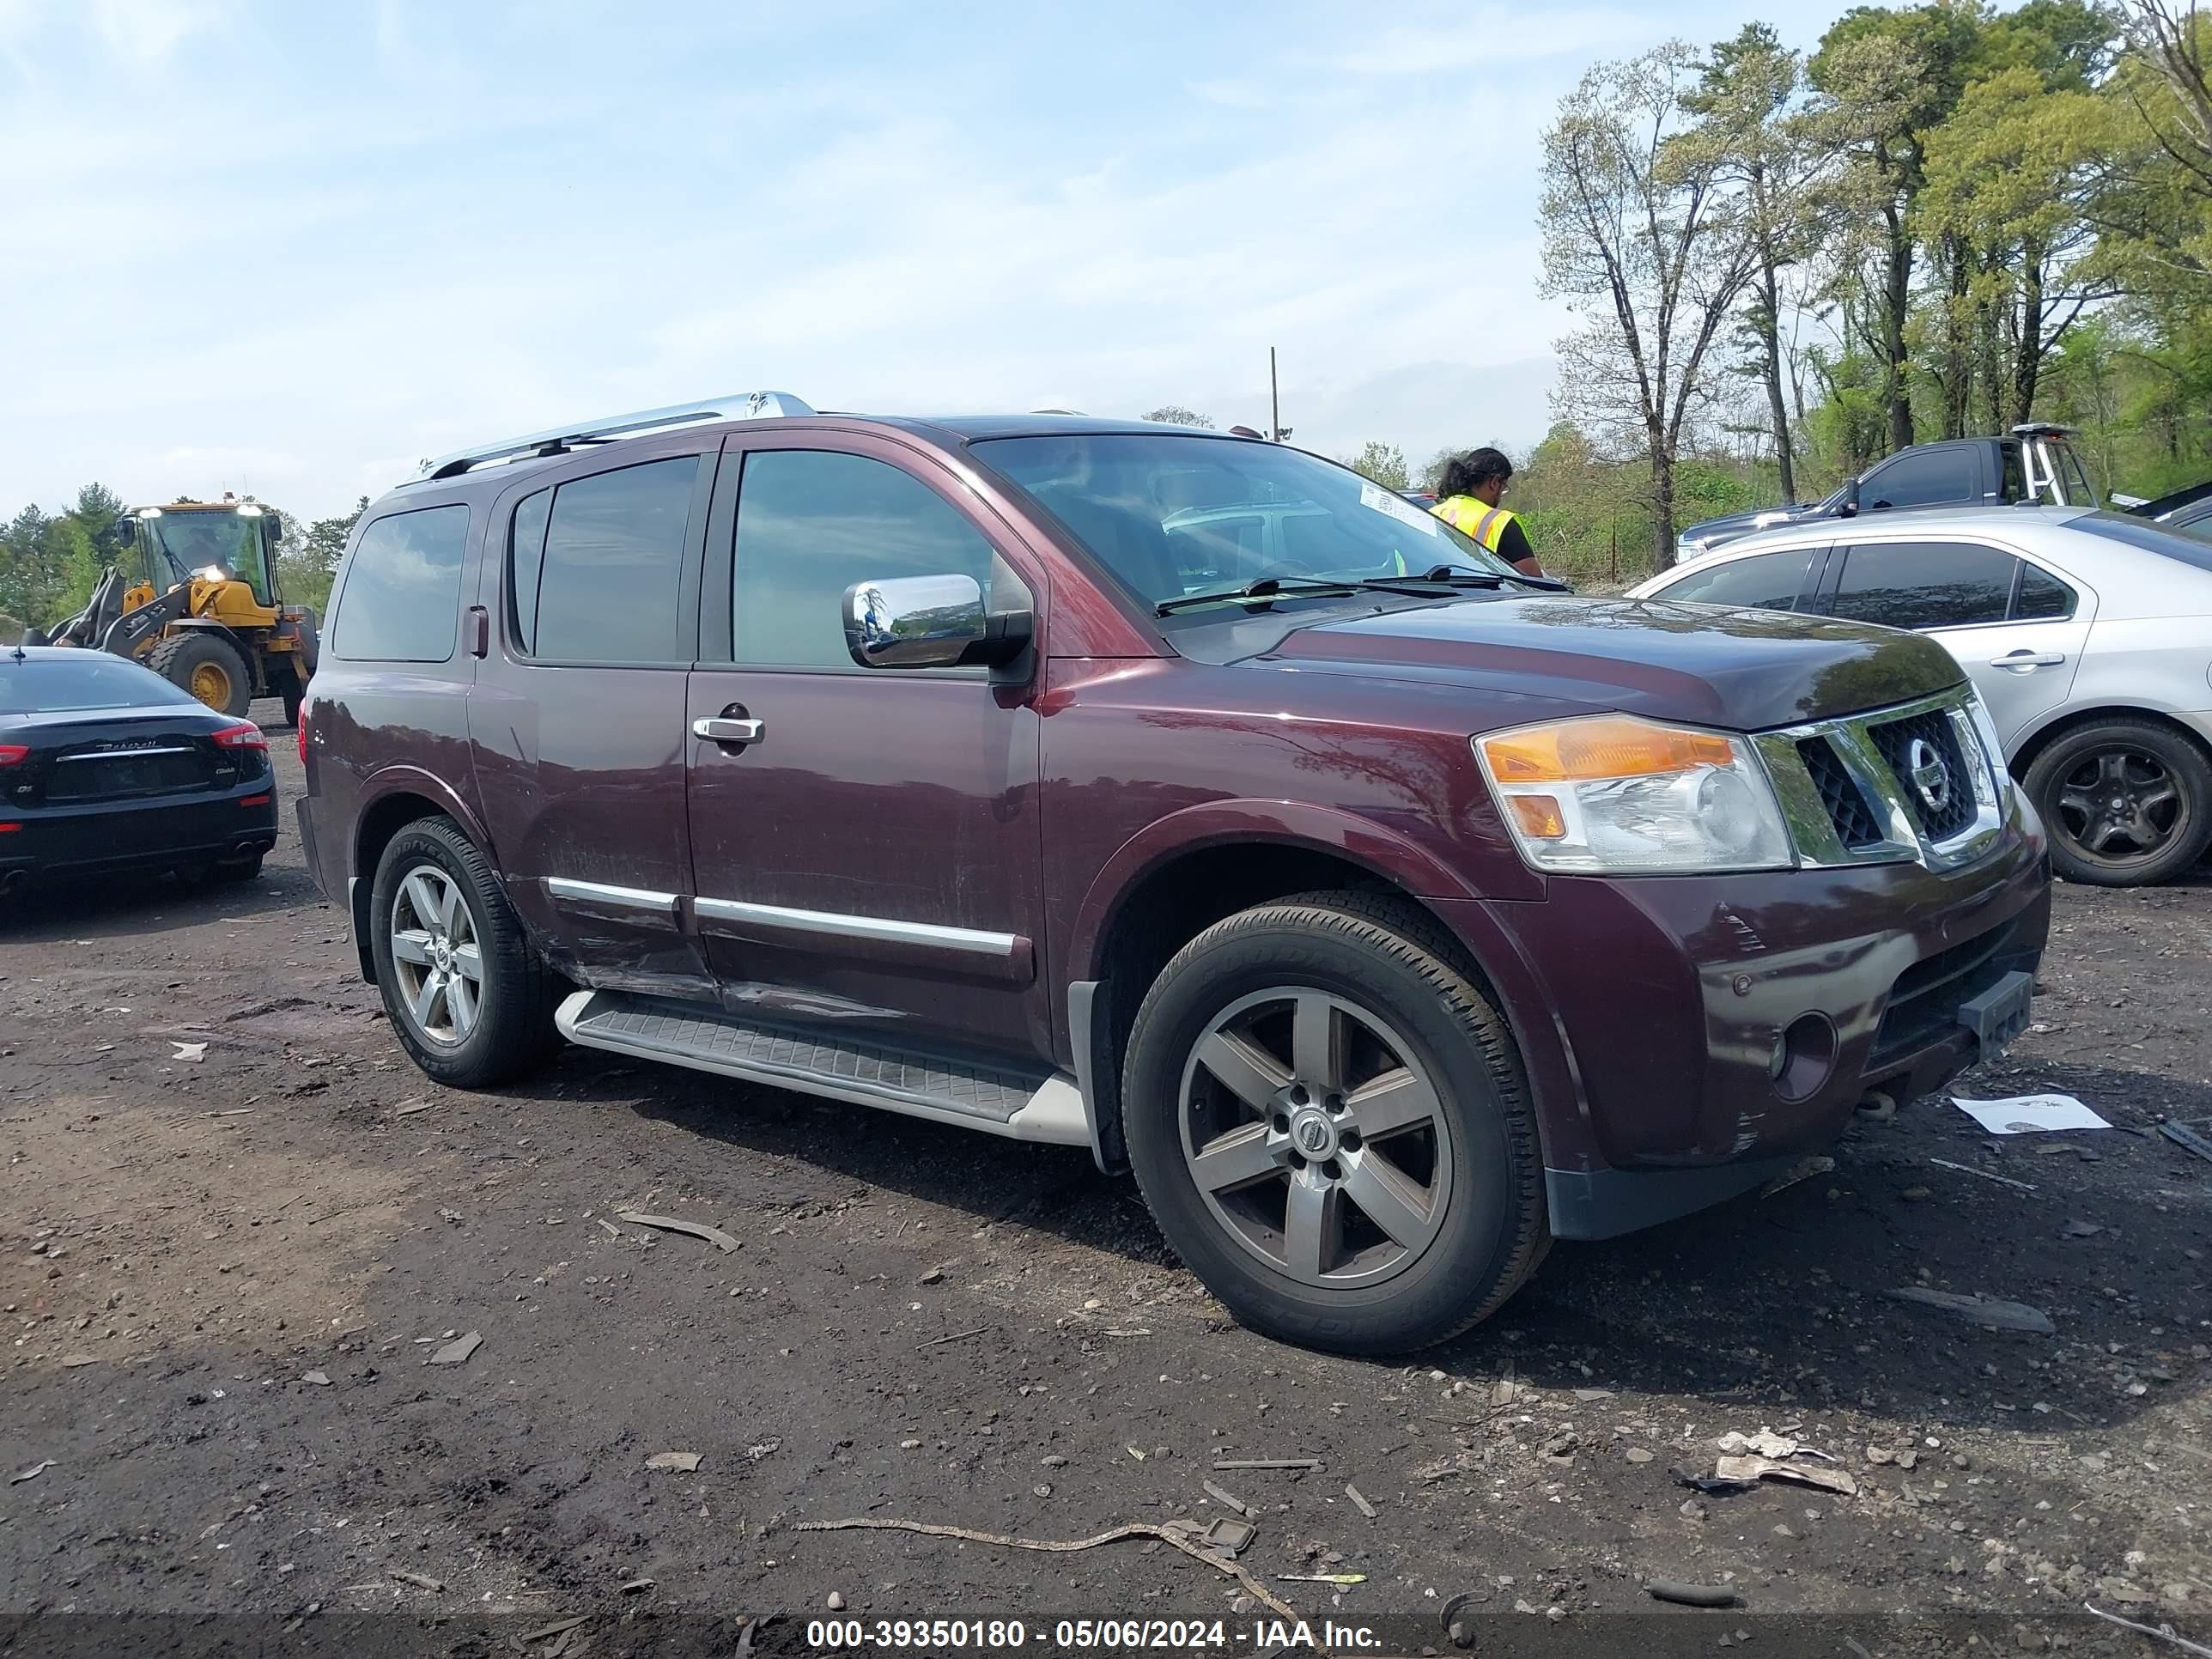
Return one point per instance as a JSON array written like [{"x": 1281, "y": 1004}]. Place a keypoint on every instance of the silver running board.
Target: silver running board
[{"x": 1048, "y": 1110}]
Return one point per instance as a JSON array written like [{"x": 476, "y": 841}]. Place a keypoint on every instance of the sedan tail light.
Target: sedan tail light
[
  {"x": 244, "y": 735},
  {"x": 14, "y": 754}
]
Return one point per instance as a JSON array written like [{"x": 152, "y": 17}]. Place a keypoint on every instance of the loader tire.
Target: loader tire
[{"x": 210, "y": 668}]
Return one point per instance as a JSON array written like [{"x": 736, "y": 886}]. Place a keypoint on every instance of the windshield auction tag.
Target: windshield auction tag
[{"x": 1396, "y": 506}]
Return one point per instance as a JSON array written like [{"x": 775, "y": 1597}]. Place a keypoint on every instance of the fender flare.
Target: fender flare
[
  {"x": 405, "y": 780},
  {"x": 1381, "y": 851},
  {"x": 381, "y": 786}
]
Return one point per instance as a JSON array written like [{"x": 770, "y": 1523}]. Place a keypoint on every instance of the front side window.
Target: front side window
[
  {"x": 403, "y": 588},
  {"x": 1924, "y": 583},
  {"x": 1764, "y": 581},
  {"x": 610, "y": 572},
  {"x": 1924, "y": 480},
  {"x": 1173, "y": 517},
  {"x": 811, "y": 523}
]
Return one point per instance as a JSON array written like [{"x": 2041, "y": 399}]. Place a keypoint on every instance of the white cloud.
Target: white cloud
[
  {"x": 150, "y": 30},
  {"x": 440, "y": 224}
]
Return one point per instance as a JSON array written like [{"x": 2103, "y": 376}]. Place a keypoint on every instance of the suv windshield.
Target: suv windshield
[
  {"x": 90, "y": 680},
  {"x": 1177, "y": 518}
]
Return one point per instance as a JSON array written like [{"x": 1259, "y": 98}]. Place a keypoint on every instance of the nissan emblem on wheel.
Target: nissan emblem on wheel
[{"x": 1387, "y": 912}]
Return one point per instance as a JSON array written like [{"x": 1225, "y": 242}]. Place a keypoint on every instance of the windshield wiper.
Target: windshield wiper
[
  {"x": 1266, "y": 588},
  {"x": 1445, "y": 573}
]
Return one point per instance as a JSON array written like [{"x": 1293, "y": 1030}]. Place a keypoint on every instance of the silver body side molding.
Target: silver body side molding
[
  {"x": 621, "y": 898},
  {"x": 838, "y": 924}
]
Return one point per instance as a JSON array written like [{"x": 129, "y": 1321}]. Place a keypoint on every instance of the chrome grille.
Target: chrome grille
[
  {"x": 1848, "y": 787},
  {"x": 1847, "y": 809},
  {"x": 1898, "y": 741}
]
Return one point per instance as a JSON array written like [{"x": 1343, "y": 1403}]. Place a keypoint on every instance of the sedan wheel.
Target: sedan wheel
[
  {"x": 2125, "y": 803},
  {"x": 435, "y": 956},
  {"x": 1317, "y": 1137}
]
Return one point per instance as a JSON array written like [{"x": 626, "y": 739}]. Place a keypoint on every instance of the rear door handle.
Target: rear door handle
[
  {"x": 2029, "y": 660},
  {"x": 718, "y": 729}
]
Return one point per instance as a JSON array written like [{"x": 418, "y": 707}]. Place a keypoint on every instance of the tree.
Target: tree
[
  {"x": 98, "y": 509},
  {"x": 1643, "y": 236},
  {"x": 1176, "y": 415},
  {"x": 306, "y": 571},
  {"x": 1743, "y": 103},
  {"x": 1384, "y": 463},
  {"x": 1886, "y": 79},
  {"x": 2011, "y": 180}
]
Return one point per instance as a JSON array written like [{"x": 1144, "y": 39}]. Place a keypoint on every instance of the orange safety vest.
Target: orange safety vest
[{"x": 1484, "y": 523}]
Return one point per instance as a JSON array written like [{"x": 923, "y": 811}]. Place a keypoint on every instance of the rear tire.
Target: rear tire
[
  {"x": 2162, "y": 785},
  {"x": 466, "y": 994},
  {"x": 210, "y": 668},
  {"x": 1424, "y": 1190},
  {"x": 294, "y": 695}
]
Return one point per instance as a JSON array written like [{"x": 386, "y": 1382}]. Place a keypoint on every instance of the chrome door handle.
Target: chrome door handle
[
  {"x": 718, "y": 730},
  {"x": 2029, "y": 660}
]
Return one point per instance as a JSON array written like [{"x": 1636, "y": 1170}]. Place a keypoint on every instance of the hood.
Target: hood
[
  {"x": 1744, "y": 671},
  {"x": 1712, "y": 532}
]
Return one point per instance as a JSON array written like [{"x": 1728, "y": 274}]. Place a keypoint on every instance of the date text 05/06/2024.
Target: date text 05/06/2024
[{"x": 1161, "y": 1635}]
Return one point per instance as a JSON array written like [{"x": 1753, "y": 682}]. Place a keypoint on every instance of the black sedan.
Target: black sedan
[{"x": 105, "y": 765}]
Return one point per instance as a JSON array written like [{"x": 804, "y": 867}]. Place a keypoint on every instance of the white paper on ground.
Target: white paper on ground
[{"x": 2030, "y": 1115}]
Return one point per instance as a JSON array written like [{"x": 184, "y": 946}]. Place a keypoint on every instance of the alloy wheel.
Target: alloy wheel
[
  {"x": 1316, "y": 1136},
  {"x": 2119, "y": 806},
  {"x": 436, "y": 957}
]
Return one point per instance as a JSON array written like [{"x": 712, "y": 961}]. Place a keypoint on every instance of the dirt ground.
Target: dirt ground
[{"x": 225, "y": 1272}]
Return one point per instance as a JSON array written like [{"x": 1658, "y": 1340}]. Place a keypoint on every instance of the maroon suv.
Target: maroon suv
[{"x": 1177, "y": 795}]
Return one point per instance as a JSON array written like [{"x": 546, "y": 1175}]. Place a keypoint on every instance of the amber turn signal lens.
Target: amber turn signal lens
[
  {"x": 1611, "y": 746},
  {"x": 1539, "y": 816}
]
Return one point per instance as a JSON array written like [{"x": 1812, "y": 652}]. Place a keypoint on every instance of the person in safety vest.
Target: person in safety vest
[{"x": 1467, "y": 499}]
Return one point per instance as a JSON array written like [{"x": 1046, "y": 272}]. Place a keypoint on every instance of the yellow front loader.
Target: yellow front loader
[{"x": 193, "y": 596}]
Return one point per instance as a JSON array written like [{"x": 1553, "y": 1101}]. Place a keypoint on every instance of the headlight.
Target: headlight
[{"x": 1616, "y": 795}]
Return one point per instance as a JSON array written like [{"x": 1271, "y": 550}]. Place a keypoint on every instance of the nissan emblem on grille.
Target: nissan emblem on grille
[{"x": 1930, "y": 776}]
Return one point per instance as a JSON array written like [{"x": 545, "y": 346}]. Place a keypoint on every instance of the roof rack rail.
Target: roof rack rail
[{"x": 734, "y": 406}]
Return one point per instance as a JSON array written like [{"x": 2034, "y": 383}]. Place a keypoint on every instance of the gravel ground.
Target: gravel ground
[{"x": 229, "y": 1272}]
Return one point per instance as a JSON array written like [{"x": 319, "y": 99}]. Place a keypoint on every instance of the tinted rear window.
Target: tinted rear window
[
  {"x": 2150, "y": 538},
  {"x": 403, "y": 588},
  {"x": 89, "y": 679}
]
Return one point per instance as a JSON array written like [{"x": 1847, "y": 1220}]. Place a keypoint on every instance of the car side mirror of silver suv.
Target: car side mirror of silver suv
[{"x": 929, "y": 621}]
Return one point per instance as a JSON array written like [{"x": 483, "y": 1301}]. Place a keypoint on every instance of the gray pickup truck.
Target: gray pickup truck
[{"x": 2032, "y": 463}]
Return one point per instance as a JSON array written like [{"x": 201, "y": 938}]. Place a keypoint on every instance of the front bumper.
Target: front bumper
[
  {"x": 156, "y": 833},
  {"x": 1649, "y": 1011}
]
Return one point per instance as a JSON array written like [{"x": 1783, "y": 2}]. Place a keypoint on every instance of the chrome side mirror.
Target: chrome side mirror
[
  {"x": 931, "y": 622},
  {"x": 915, "y": 621}
]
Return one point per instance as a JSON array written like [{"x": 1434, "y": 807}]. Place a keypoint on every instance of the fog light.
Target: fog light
[{"x": 1804, "y": 1057}]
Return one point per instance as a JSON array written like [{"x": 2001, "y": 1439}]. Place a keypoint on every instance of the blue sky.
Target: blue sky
[{"x": 291, "y": 248}]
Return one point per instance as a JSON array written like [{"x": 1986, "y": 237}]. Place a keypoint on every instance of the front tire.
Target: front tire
[
  {"x": 210, "y": 668},
  {"x": 2126, "y": 803},
  {"x": 467, "y": 996},
  {"x": 1332, "y": 1127}
]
